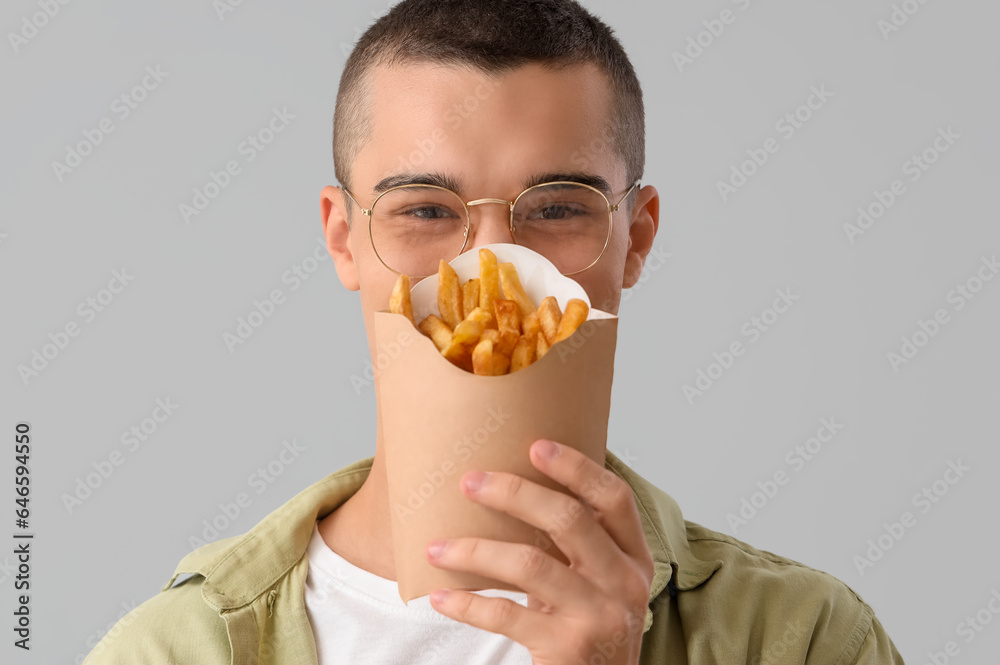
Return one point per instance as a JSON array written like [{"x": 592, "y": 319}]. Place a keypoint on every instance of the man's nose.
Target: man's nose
[{"x": 490, "y": 221}]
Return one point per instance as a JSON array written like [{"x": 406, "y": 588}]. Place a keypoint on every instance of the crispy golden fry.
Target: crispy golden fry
[
  {"x": 489, "y": 284},
  {"x": 508, "y": 315},
  {"x": 507, "y": 341},
  {"x": 459, "y": 355},
  {"x": 512, "y": 289},
  {"x": 437, "y": 330},
  {"x": 470, "y": 329},
  {"x": 491, "y": 334},
  {"x": 467, "y": 332},
  {"x": 501, "y": 362},
  {"x": 530, "y": 323},
  {"x": 524, "y": 351},
  {"x": 482, "y": 358},
  {"x": 575, "y": 314},
  {"x": 399, "y": 301},
  {"x": 480, "y": 315},
  {"x": 543, "y": 346},
  {"x": 470, "y": 296},
  {"x": 549, "y": 317},
  {"x": 449, "y": 295}
]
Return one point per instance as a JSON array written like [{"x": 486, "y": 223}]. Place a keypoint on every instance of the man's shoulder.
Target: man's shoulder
[
  {"x": 796, "y": 613},
  {"x": 174, "y": 626},
  {"x": 770, "y": 568},
  {"x": 186, "y": 620}
]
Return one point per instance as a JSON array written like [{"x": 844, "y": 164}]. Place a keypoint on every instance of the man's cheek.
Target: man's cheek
[
  {"x": 607, "y": 302},
  {"x": 379, "y": 294},
  {"x": 376, "y": 299},
  {"x": 597, "y": 290}
]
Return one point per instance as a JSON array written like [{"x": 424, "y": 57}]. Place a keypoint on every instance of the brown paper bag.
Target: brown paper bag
[{"x": 439, "y": 421}]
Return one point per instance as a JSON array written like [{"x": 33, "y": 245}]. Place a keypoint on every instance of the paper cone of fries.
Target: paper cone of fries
[{"x": 440, "y": 421}]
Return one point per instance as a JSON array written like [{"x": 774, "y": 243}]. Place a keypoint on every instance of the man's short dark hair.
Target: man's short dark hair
[{"x": 495, "y": 37}]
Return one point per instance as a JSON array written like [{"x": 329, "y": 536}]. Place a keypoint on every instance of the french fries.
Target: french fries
[
  {"x": 437, "y": 330},
  {"x": 575, "y": 314},
  {"x": 511, "y": 285},
  {"x": 542, "y": 346},
  {"x": 549, "y": 317},
  {"x": 489, "y": 325},
  {"x": 399, "y": 301},
  {"x": 470, "y": 295},
  {"x": 482, "y": 357},
  {"x": 489, "y": 279},
  {"x": 530, "y": 324},
  {"x": 524, "y": 352},
  {"x": 449, "y": 295}
]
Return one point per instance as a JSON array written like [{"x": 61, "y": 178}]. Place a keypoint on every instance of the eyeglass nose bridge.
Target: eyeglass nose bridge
[{"x": 510, "y": 207}]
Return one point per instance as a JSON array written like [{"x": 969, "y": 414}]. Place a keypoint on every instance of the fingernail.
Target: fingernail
[
  {"x": 547, "y": 449},
  {"x": 436, "y": 547},
  {"x": 474, "y": 480},
  {"x": 440, "y": 595}
]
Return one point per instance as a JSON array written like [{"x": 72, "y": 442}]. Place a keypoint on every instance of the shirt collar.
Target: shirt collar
[{"x": 232, "y": 566}]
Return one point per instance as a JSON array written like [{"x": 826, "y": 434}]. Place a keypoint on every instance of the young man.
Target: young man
[{"x": 489, "y": 99}]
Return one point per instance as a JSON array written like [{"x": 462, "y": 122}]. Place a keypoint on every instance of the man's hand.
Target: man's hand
[{"x": 597, "y": 604}]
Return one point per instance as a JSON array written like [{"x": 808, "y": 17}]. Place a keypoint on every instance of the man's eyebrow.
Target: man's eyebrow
[
  {"x": 595, "y": 181},
  {"x": 439, "y": 179},
  {"x": 448, "y": 182}
]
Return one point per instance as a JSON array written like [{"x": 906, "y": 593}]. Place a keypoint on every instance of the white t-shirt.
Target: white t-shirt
[{"x": 358, "y": 617}]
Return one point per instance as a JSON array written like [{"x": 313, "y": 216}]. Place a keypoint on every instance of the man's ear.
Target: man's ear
[
  {"x": 338, "y": 235},
  {"x": 642, "y": 230}
]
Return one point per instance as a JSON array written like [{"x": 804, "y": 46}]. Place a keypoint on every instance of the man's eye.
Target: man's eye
[
  {"x": 429, "y": 212},
  {"x": 557, "y": 212}
]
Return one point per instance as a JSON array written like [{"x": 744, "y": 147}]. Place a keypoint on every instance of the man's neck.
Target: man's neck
[{"x": 359, "y": 529}]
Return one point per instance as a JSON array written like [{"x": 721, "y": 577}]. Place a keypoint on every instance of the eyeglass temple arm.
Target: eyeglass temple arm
[
  {"x": 351, "y": 196},
  {"x": 625, "y": 195}
]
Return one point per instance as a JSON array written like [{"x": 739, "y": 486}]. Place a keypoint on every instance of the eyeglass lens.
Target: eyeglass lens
[{"x": 414, "y": 227}]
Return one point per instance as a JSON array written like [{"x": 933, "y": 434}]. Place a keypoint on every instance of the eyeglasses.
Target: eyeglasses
[{"x": 413, "y": 227}]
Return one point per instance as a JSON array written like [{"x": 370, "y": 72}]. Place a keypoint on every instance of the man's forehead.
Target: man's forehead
[
  {"x": 460, "y": 93},
  {"x": 555, "y": 122}
]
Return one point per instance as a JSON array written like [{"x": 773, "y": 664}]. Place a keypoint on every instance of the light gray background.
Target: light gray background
[{"x": 826, "y": 357}]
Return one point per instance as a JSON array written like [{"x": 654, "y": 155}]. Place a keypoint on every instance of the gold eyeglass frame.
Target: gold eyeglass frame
[{"x": 510, "y": 226}]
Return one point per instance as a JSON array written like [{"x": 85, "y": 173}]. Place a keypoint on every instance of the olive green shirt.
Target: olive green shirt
[{"x": 713, "y": 599}]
